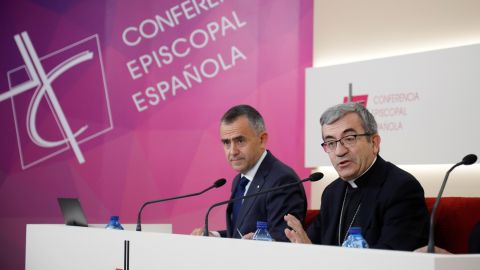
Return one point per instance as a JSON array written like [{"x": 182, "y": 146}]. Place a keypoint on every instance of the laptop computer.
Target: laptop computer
[{"x": 72, "y": 212}]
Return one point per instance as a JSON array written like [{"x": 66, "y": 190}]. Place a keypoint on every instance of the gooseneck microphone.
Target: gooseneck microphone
[
  {"x": 467, "y": 160},
  {"x": 312, "y": 178},
  {"x": 217, "y": 184}
]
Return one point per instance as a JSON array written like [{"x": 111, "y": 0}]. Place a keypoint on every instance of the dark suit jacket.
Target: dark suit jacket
[
  {"x": 269, "y": 207},
  {"x": 393, "y": 213},
  {"x": 474, "y": 240}
]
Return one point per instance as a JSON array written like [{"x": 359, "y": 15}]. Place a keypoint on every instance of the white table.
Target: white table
[{"x": 60, "y": 247}]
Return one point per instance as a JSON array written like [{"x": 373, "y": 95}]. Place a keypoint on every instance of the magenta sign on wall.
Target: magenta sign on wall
[{"x": 118, "y": 103}]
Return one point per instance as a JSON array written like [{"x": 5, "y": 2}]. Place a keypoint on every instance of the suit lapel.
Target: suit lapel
[
  {"x": 370, "y": 193},
  {"x": 336, "y": 206},
  {"x": 256, "y": 185}
]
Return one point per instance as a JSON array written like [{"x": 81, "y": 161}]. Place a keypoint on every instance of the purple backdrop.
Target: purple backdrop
[{"x": 121, "y": 104}]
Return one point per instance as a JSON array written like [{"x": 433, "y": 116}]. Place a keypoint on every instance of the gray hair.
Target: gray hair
[
  {"x": 337, "y": 112},
  {"x": 253, "y": 116}
]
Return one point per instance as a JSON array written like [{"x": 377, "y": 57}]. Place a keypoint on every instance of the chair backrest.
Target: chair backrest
[{"x": 454, "y": 221}]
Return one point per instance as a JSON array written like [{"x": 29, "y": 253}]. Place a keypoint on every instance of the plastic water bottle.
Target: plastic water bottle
[
  {"x": 355, "y": 239},
  {"x": 262, "y": 233},
  {"x": 114, "y": 224}
]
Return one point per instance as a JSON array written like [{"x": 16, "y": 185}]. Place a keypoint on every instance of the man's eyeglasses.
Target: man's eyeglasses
[{"x": 347, "y": 141}]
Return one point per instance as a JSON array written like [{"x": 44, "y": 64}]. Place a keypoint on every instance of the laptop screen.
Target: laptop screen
[{"x": 72, "y": 212}]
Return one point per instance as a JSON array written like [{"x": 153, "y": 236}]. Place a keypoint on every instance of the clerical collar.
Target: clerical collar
[
  {"x": 250, "y": 174},
  {"x": 352, "y": 182}
]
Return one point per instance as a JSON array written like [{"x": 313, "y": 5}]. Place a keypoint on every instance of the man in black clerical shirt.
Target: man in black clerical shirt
[{"x": 385, "y": 201}]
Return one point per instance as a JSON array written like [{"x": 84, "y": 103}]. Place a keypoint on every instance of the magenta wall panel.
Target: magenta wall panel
[{"x": 118, "y": 103}]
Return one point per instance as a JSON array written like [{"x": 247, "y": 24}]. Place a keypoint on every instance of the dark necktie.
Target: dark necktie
[{"x": 239, "y": 191}]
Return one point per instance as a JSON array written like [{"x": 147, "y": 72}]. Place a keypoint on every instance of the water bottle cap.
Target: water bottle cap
[
  {"x": 355, "y": 230},
  {"x": 114, "y": 217},
  {"x": 262, "y": 224}
]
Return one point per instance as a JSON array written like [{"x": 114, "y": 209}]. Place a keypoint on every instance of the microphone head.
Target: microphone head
[
  {"x": 315, "y": 176},
  {"x": 219, "y": 183},
  {"x": 469, "y": 159}
]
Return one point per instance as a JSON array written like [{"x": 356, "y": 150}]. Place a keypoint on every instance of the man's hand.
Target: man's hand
[
  {"x": 297, "y": 234},
  {"x": 437, "y": 250},
  {"x": 248, "y": 236},
  {"x": 199, "y": 232}
]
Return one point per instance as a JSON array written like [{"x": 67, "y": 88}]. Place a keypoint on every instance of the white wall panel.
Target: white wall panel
[{"x": 425, "y": 104}]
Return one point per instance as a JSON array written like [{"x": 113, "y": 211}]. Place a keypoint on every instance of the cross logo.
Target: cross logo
[
  {"x": 59, "y": 100},
  {"x": 362, "y": 99}
]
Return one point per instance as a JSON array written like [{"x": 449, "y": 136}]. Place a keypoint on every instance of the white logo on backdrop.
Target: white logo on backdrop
[{"x": 41, "y": 82}]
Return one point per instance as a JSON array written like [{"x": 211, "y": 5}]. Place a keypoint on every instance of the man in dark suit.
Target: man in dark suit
[
  {"x": 244, "y": 139},
  {"x": 385, "y": 201}
]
